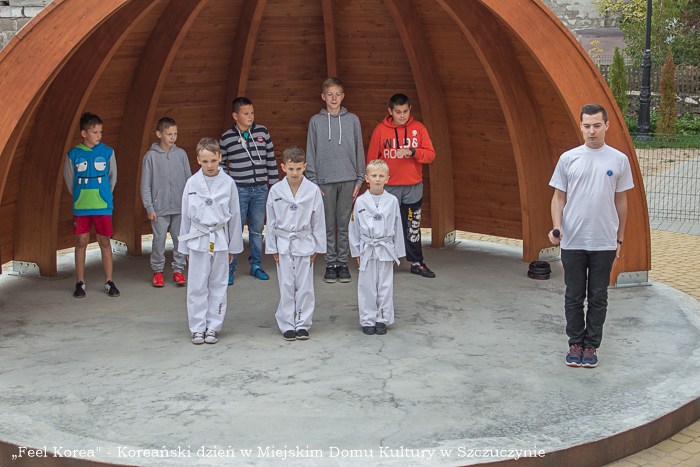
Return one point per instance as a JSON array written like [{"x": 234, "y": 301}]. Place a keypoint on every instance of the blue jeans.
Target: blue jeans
[{"x": 252, "y": 201}]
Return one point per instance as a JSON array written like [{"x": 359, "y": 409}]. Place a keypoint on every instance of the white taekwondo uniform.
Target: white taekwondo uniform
[
  {"x": 376, "y": 236},
  {"x": 296, "y": 229},
  {"x": 210, "y": 229}
]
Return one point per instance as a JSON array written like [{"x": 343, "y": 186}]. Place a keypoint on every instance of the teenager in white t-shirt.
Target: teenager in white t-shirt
[{"x": 589, "y": 208}]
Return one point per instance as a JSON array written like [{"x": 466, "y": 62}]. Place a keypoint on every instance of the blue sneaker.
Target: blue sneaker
[
  {"x": 258, "y": 272},
  {"x": 590, "y": 358},
  {"x": 574, "y": 356},
  {"x": 231, "y": 273}
]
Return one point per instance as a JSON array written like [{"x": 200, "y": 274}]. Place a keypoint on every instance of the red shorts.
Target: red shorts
[{"x": 103, "y": 225}]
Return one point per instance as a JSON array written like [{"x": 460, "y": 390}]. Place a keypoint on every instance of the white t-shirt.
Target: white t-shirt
[{"x": 590, "y": 178}]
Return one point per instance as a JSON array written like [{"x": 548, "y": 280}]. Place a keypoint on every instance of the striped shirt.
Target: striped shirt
[{"x": 249, "y": 160}]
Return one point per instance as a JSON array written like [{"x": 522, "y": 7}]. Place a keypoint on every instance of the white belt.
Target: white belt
[
  {"x": 367, "y": 242},
  {"x": 291, "y": 236},
  {"x": 201, "y": 231}
]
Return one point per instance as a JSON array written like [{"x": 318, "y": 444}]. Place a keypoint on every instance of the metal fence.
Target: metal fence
[
  {"x": 670, "y": 166},
  {"x": 687, "y": 76}
]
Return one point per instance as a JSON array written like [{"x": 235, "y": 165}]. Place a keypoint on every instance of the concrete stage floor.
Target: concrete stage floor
[{"x": 473, "y": 364}]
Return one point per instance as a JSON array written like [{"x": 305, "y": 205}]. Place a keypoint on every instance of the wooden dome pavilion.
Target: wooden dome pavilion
[{"x": 498, "y": 83}]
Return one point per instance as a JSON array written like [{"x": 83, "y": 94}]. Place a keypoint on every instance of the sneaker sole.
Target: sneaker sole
[
  {"x": 588, "y": 365},
  {"x": 572, "y": 364},
  {"x": 179, "y": 283},
  {"x": 303, "y": 338},
  {"x": 158, "y": 285},
  {"x": 381, "y": 333},
  {"x": 198, "y": 343},
  {"x": 211, "y": 341},
  {"x": 290, "y": 338},
  {"x": 113, "y": 296},
  {"x": 78, "y": 296},
  {"x": 344, "y": 281},
  {"x": 330, "y": 281}
]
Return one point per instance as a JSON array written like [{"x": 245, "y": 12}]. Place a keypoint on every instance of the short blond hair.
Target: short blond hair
[
  {"x": 378, "y": 164},
  {"x": 332, "y": 82},
  {"x": 208, "y": 144}
]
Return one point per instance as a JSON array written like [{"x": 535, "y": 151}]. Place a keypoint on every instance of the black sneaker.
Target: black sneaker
[
  {"x": 289, "y": 335},
  {"x": 381, "y": 328},
  {"x": 331, "y": 275},
  {"x": 79, "y": 290},
  {"x": 343, "y": 273},
  {"x": 422, "y": 270},
  {"x": 111, "y": 289},
  {"x": 302, "y": 334},
  {"x": 369, "y": 330}
]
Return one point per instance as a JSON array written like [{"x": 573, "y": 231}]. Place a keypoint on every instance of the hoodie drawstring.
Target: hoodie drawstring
[
  {"x": 340, "y": 124},
  {"x": 405, "y": 136}
]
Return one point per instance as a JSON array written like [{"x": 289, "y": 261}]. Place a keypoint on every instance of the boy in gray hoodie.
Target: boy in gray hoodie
[
  {"x": 335, "y": 160},
  {"x": 164, "y": 173}
]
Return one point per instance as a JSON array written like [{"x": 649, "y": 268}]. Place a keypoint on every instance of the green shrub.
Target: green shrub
[
  {"x": 618, "y": 81},
  {"x": 688, "y": 124},
  {"x": 668, "y": 114}
]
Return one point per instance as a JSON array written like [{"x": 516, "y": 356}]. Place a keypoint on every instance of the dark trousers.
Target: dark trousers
[
  {"x": 586, "y": 273},
  {"x": 410, "y": 217}
]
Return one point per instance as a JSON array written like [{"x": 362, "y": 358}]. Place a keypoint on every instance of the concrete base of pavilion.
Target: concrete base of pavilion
[{"x": 472, "y": 371}]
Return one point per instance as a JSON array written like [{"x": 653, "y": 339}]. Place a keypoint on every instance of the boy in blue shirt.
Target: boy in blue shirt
[{"x": 90, "y": 172}]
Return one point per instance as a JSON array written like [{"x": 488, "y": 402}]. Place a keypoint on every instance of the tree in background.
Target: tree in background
[
  {"x": 668, "y": 116},
  {"x": 674, "y": 23},
  {"x": 618, "y": 81}
]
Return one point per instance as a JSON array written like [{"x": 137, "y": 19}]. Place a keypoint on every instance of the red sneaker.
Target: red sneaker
[
  {"x": 158, "y": 279},
  {"x": 179, "y": 279}
]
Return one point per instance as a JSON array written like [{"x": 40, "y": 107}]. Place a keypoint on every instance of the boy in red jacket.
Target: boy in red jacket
[{"x": 405, "y": 146}]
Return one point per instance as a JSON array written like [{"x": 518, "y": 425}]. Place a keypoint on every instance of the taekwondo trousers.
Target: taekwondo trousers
[
  {"x": 375, "y": 293},
  {"x": 297, "y": 299},
  {"x": 206, "y": 290}
]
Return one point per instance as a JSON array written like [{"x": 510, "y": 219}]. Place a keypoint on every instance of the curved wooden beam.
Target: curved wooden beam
[
  {"x": 243, "y": 45},
  {"x": 329, "y": 32},
  {"x": 43, "y": 47},
  {"x": 139, "y": 112},
  {"x": 521, "y": 111},
  {"x": 442, "y": 196},
  {"x": 36, "y": 219},
  {"x": 560, "y": 57}
]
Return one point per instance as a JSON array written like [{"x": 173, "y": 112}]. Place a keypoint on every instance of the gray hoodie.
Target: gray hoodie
[
  {"x": 163, "y": 178},
  {"x": 334, "y": 150}
]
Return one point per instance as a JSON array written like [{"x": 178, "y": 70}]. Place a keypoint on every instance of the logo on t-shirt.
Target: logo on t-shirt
[
  {"x": 293, "y": 207},
  {"x": 261, "y": 139},
  {"x": 610, "y": 173}
]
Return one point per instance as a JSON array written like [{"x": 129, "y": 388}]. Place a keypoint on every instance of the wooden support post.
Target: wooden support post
[
  {"x": 57, "y": 122},
  {"x": 442, "y": 203},
  {"x": 139, "y": 114}
]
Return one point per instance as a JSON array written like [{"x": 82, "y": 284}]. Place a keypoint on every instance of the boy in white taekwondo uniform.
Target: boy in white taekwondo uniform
[
  {"x": 376, "y": 239},
  {"x": 210, "y": 234},
  {"x": 296, "y": 233}
]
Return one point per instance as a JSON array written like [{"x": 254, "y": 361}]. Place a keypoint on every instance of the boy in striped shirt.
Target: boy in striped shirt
[{"x": 248, "y": 156}]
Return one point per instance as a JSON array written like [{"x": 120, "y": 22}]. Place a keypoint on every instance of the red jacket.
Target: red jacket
[{"x": 387, "y": 137}]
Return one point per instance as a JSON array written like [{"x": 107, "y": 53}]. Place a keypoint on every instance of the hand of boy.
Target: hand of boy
[
  {"x": 230, "y": 258},
  {"x": 404, "y": 152},
  {"x": 355, "y": 192},
  {"x": 152, "y": 216},
  {"x": 277, "y": 258},
  {"x": 358, "y": 261},
  {"x": 313, "y": 257}
]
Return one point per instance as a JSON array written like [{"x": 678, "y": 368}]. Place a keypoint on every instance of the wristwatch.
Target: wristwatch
[
  {"x": 413, "y": 152},
  {"x": 619, "y": 242}
]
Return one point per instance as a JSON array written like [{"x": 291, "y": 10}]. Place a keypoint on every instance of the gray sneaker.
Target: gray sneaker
[
  {"x": 198, "y": 338},
  {"x": 210, "y": 337}
]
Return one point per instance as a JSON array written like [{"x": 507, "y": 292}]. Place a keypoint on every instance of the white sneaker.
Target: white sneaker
[
  {"x": 198, "y": 338},
  {"x": 211, "y": 337}
]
